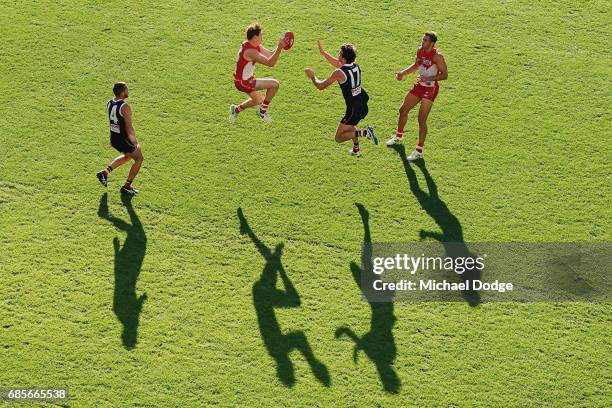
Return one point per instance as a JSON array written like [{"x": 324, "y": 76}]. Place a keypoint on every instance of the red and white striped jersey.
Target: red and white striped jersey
[
  {"x": 426, "y": 65},
  {"x": 244, "y": 68}
]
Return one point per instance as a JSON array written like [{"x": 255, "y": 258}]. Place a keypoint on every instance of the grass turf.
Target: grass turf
[{"x": 518, "y": 147}]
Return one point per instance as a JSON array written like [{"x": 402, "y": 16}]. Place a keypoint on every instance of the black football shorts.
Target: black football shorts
[{"x": 122, "y": 144}]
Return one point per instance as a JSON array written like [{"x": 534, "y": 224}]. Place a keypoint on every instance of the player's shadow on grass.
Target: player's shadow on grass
[
  {"x": 451, "y": 235},
  {"x": 266, "y": 297},
  {"x": 378, "y": 344},
  {"x": 128, "y": 262}
]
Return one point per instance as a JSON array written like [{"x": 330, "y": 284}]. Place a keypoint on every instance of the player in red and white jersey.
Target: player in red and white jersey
[
  {"x": 432, "y": 68},
  {"x": 252, "y": 52}
]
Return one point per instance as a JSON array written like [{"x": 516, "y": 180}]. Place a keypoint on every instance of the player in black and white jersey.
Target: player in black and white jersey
[
  {"x": 122, "y": 138},
  {"x": 348, "y": 75}
]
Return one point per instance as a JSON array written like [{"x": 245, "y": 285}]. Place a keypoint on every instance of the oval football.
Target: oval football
[{"x": 289, "y": 39}]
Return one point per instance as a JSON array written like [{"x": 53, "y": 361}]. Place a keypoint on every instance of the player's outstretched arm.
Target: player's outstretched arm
[
  {"x": 266, "y": 52},
  {"x": 254, "y": 55},
  {"x": 407, "y": 71},
  {"x": 334, "y": 61},
  {"x": 336, "y": 75},
  {"x": 126, "y": 112}
]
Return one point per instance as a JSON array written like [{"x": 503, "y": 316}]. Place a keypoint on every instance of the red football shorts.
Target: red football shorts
[
  {"x": 245, "y": 85},
  {"x": 425, "y": 92}
]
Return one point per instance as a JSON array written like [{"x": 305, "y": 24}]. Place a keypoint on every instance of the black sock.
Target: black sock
[
  {"x": 358, "y": 133},
  {"x": 109, "y": 169}
]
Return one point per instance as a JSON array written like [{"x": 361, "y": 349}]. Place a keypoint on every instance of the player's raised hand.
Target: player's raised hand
[
  {"x": 321, "y": 50},
  {"x": 309, "y": 73},
  {"x": 281, "y": 43}
]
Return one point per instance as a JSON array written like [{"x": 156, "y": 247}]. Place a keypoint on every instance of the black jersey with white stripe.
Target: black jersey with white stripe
[
  {"x": 117, "y": 123},
  {"x": 351, "y": 88}
]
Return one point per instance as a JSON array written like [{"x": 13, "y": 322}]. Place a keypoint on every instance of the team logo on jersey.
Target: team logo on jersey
[{"x": 426, "y": 62}]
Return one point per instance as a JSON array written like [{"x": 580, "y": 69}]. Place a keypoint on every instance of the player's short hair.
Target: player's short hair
[
  {"x": 253, "y": 30},
  {"x": 348, "y": 52},
  {"x": 119, "y": 87},
  {"x": 433, "y": 37}
]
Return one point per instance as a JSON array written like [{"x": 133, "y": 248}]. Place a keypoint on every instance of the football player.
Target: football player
[
  {"x": 432, "y": 68},
  {"x": 122, "y": 138},
  {"x": 348, "y": 76},
  {"x": 252, "y": 52}
]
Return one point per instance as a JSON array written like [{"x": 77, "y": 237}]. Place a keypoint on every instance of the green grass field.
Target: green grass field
[{"x": 519, "y": 148}]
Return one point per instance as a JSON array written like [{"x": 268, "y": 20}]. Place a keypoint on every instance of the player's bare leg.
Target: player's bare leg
[
  {"x": 138, "y": 158},
  {"x": 103, "y": 174},
  {"x": 255, "y": 98},
  {"x": 345, "y": 132},
  {"x": 349, "y": 132},
  {"x": 271, "y": 87},
  {"x": 410, "y": 101},
  {"x": 136, "y": 155},
  {"x": 424, "y": 110},
  {"x": 119, "y": 161}
]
